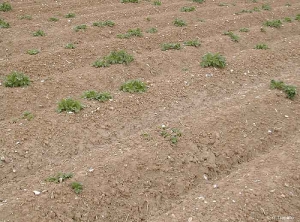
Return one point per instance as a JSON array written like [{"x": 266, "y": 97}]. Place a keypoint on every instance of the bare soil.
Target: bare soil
[{"x": 238, "y": 156}]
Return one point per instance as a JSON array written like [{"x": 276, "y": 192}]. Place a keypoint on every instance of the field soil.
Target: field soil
[{"x": 237, "y": 158}]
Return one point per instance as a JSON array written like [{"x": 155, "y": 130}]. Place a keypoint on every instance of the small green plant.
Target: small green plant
[
  {"x": 60, "y": 177},
  {"x": 5, "y": 7},
  {"x": 179, "y": 22},
  {"x": 133, "y": 86},
  {"x": 261, "y": 46},
  {"x": 244, "y": 30},
  {"x": 187, "y": 9},
  {"x": 94, "y": 95},
  {"x": 168, "y": 46},
  {"x": 53, "y": 19},
  {"x": 69, "y": 105},
  {"x": 273, "y": 23},
  {"x": 148, "y": 19},
  {"x": 16, "y": 79},
  {"x": 129, "y": 1},
  {"x": 115, "y": 57},
  {"x": 105, "y": 23},
  {"x": 289, "y": 90},
  {"x": 266, "y": 7},
  {"x": 233, "y": 37},
  {"x": 70, "y": 15},
  {"x": 4, "y": 24},
  {"x": 223, "y": 4},
  {"x": 131, "y": 32},
  {"x": 80, "y": 27},
  {"x": 194, "y": 43},
  {"x": 213, "y": 60},
  {"x": 157, "y": 2},
  {"x": 70, "y": 46},
  {"x": 297, "y": 17},
  {"x": 287, "y": 19},
  {"x": 28, "y": 115},
  {"x": 27, "y": 17},
  {"x": 256, "y": 9},
  {"x": 152, "y": 30},
  {"x": 77, "y": 187},
  {"x": 33, "y": 51},
  {"x": 39, "y": 33},
  {"x": 199, "y": 1},
  {"x": 172, "y": 134}
]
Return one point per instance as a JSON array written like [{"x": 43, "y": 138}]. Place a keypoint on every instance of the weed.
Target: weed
[
  {"x": 172, "y": 134},
  {"x": 94, "y": 95},
  {"x": 28, "y": 115},
  {"x": 244, "y": 30},
  {"x": 194, "y": 43},
  {"x": 179, "y": 22},
  {"x": 152, "y": 30},
  {"x": 213, "y": 60},
  {"x": 80, "y": 27},
  {"x": 77, "y": 187},
  {"x": 33, "y": 51},
  {"x": 16, "y": 79},
  {"x": 133, "y": 86},
  {"x": 256, "y": 9},
  {"x": 199, "y": 1},
  {"x": 266, "y": 7},
  {"x": 297, "y": 17},
  {"x": 233, "y": 37},
  {"x": 287, "y": 19},
  {"x": 69, "y": 105},
  {"x": 261, "y": 46},
  {"x": 5, "y": 7},
  {"x": 4, "y": 24},
  {"x": 168, "y": 46},
  {"x": 289, "y": 90},
  {"x": 157, "y": 2},
  {"x": 27, "y": 17},
  {"x": 60, "y": 177},
  {"x": 105, "y": 23},
  {"x": 53, "y": 19},
  {"x": 273, "y": 23},
  {"x": 70, "y": 46},
  {"x": 70, "y": 15},
  {"x": 39, "y": 33},
  {"x": 115, "y": 57},
  {"x": 187, "y": 9},
  {"x": 130, "y": 33}
]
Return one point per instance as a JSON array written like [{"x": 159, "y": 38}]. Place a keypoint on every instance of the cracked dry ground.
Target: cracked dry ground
[{"x": 237, "y": 158}]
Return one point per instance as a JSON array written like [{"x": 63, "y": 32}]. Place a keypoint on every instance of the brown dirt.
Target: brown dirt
[{"x": 237, "y": 159}]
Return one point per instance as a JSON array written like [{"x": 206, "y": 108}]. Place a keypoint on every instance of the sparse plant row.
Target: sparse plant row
[
  {"x": 289, "y": 90},
  {"x": 233, "y": 37}
]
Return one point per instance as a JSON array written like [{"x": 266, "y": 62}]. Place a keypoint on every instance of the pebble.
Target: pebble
[
  {"x": 36, "y": 192},
  {"x": 205, "y": 177}
]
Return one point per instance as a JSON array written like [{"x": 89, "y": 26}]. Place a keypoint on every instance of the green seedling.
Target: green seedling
[
  {"x": 105, "y": 23},
  {"x": 27, "y": 17},
  {"x": 5, "y": 7},
  {"x": 287, "y": 19},
  {"x": 60, "y": 177},
  {"x": 213, "y": 60},
  {"x": 266, "y": 7},
  {"x": 39, "y": 33},
  {"x": 256, "y": 9},
  {"x": 194, "y": 43},
  {"x": 94, "y": 95},
  {"x": 187, "y": 9},
  {"x": 157, "y": 2},
  {"x": 152, "y": 30},
  {"x": 80, "y": 27},
  {"x": 53, "y": 19},
  {"x": 244, "y": 30},
  {"x": 115, "y": 57},
  {"x": 273, "y": 23},
  {"x": 131, "y": 32},
  {"x": 69, "y": 105},
  {"x": 16, "y": 79},
  {"x": 223, "y": 4},
  {"x": 28, "y": 115},
  {"x": 289, "y": 90},
  {"x": 129, "y": 1},
  {"x": 133, "y": 86},
  {"x": 261, "y": 46},
  {"x": 297, "y": 17},
  {"x": 70, "y": 46},
  {"x": 233, "y": 37},
  {"x": 70, "y": 15},
  {"x": 77, "y": 187},
  {"x": 169, "y": 46},
  {"x": 33, "y": 51},
  {"x": 199, "y": 1},
  {"x": 171, "y": 134},
  {"x": 179, "y": 22},
  {"x": 4, "y": 24}
]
